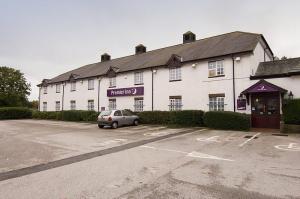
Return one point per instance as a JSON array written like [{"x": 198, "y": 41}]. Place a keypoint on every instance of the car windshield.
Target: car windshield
[{"x": 105, "y": 113}]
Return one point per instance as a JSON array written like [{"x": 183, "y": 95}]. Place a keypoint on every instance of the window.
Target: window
[
  {"x": 58, "y": 88},
  {"x": 90, "y": 84},
  {"x": 138, "y": 104},
  {"x": 44, "y": 106},
  {"x": 91, "y": 105},
  {"x": 215, "y": 68},
  {"x": 117, "y": 113},
  {"x": 216, "y": 102},
  {"x": 175, "y": 74},
  {"x": 138, "y": 78},
  {"x": 45, "y": 90},
  {"x": 73, "y": 104},
  {"x": 73, "y": 86},
  {"x": 112, "y": 82},
  {"x": 112, "y": 104},
  {"x": 57, "y": 106},
  {"x": 175, "y": 103}
]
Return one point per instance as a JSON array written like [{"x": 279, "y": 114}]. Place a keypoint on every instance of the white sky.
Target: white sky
[{"x": 46, "y": 38}]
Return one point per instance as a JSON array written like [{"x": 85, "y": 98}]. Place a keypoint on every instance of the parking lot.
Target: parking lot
[{"x": 197, "y": 163}]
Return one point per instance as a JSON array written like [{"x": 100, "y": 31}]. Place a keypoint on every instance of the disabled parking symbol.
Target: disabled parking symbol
[{"x": 289, "y": 147}]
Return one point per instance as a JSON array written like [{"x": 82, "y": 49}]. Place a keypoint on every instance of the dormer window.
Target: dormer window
[
  {"x": 112, "y": 82},
  {"x": 73, "y": 86}
]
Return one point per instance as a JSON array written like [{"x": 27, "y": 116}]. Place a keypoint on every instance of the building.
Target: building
[{"x": 231, "y": 72}]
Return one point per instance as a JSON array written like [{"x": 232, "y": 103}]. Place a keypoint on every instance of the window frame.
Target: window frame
[
  {"x": 57, "y": 88},
  {"x": 112, "y": 104},
  {"x": 216, "y": 103},
  {"x": 57, "y": 108},
  {"x": 89, "y": 85},
  {"x": 217, "y": 67},
  {"x": 175, "y": 74},
  {"x": 175, "y": 103},
  {"x": 71, "y": 105},
  {"x": 138, "y": 78},
  {"x": 45, "y": 89},
  {"x": 73, "y": 86},
  {"x": 138, "y": 104},
  {"x": 44, "y": 106},
  {"x": 91, "y": 107},
  {"x": 112, "y": 82}
]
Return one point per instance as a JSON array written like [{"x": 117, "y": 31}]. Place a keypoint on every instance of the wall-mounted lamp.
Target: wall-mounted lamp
[
  {"x": 238, "y": 59},
  {"x": 154, "y": 71},
  {"x": 194, "y": 65},
  {"x": 291, "y": 95}
]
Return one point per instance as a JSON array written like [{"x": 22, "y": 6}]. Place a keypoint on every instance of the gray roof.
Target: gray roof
[
  {"x": 225, "y": 44},
  {"x": 279, "y": 67}
]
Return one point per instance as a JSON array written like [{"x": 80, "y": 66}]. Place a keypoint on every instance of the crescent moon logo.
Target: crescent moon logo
[{"x": 134, "y": 91}]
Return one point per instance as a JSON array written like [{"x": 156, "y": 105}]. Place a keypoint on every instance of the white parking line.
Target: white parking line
[
  {"x": 193, "y": 154},
  {"x": 249, "y": 139}
]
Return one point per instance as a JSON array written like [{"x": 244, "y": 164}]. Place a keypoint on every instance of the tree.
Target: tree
[
  {"x": 284, "y": 58},
  {"x": 14, "y": 89}
]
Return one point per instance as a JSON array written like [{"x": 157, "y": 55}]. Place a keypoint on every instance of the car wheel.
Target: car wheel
[
  {"x": 114, "y": 125},
  {"x": 136, "y": 122},
  {"x": 100, "y": 126}
]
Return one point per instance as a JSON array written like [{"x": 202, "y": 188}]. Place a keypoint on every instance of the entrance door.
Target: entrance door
[{"x": 265, "y": 109}]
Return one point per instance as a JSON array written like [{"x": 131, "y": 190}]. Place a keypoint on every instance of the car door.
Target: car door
[
  {"x": 128, "y": 117},
  {"x": 119, "y": 117}
]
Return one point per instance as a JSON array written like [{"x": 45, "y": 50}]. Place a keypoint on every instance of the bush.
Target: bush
[
  {"x": 66, "y": 115},
  {"x": 15, "y": 113},
  {"x": 227, "y": 120},
  {"x": 291, "y": 112},
  {"x": 182, "y": 118}
]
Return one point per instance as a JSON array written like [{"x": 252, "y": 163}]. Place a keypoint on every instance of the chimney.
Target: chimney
[
  {"x": 140, "y": 49},
  {"x": 189, "y": 37},
  {"x": 105, "y": 57}
]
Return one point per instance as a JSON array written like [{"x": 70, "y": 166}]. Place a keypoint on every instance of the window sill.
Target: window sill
[
  {"x": 216, "y": 76},
  {"x": 139, "y": 84},
  {"x": 112, "y": 87},
  {"x": 175, "y": 80},
  {"x": 90, "y": 88},
  {"x": 57, "y": 92},
  {"x": 73, "y": 90}
]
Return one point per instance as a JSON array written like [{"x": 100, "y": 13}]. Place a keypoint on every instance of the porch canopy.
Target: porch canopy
[{"x": 262, "y": 86}]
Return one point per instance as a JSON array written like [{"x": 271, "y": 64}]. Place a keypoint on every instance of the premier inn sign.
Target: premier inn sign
[{"x": 131, "y": 91}]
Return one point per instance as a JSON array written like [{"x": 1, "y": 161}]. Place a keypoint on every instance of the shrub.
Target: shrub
[
  {"x": 227, "y": 120},
  {"x": 66, "y": 115},
  {"x": 291, "y": 112},
  {"x": 15, "y": 113},
  {"x": 182, "y": 118}
]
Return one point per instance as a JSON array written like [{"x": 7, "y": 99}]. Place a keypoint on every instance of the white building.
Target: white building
[{"x": 231, "y": 72}]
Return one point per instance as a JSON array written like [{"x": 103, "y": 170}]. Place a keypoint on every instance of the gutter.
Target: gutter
[
  {"x": 63, "y": 96},
  {"x": 233, "y": 82}
]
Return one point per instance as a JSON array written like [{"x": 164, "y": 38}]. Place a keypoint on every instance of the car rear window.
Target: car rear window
[{"x": 105, "y": 113}]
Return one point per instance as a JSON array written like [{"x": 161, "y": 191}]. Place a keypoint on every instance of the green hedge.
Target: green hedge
[
  {"x": 227, "y": 120},
  {"x": 182, "y": 118},
  {"x": 15, "y": 113},
  {"x": 291, "y": 112},
  {"x": 66, "y": 115}
]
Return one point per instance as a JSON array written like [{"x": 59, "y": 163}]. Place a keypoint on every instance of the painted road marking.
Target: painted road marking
[
  {"x": 193, "y": 154},
  {"x": 210, "y": 139},
  {"x": 249, "y": 139},
  {"x": 112, "y": 142},
  {"x": 156, "y": 133},
  {"x": 289, "y": 147}
]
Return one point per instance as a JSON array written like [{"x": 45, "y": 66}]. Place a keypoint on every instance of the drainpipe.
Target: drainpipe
[
  {"x": 39, "y": 107},
  {"x": 152, "y": 87},
  {"x": 63, "y": 96},
  {"x": 98, "y": 95},
  {"x": 233, "y": 83}
]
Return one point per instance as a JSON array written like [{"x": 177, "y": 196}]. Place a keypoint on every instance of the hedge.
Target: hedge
[
  {"x": 291, "y": 111},
  {"x": 73, "y": 115},
  {"x": 182, "y": 118},
  {"x": 227, "y": 120},
  {"x": 15, "y": 113}
]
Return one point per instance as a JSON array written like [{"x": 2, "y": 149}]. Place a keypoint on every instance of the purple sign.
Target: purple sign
[
  {"x": 260, "y": 88},
  {"x": 125, "y": 91},
  {"x": 241, "y": 104}
]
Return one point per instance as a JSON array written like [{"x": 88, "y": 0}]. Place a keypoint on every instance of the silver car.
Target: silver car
[{"x": 116, "y": 118}]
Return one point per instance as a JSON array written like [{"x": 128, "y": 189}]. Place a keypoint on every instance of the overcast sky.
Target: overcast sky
[{"x": 46, "y": 38}]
